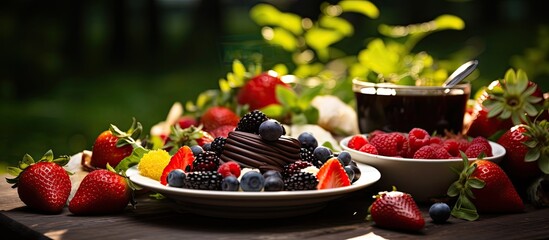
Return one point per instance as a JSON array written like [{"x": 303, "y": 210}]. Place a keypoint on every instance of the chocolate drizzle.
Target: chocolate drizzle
[{"x": 250, "y": 150}]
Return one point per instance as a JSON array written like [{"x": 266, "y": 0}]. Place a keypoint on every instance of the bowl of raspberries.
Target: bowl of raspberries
[{"x": 417, "y": 162}]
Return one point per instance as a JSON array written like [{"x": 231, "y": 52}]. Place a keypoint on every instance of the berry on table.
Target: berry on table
[
  {"x": 418, "y": 138},
  {"x": 356, "y": 171},
  {"x": 368, "y": 148},
  {"x": 307, "y": 140},
  {"x": 295, "y": 167},
  {"x": 176, "y": 178},
  {"x": 322, "y": 153},
  {"x": 301, "y": 181},
  {"x": 196, "y": 149},
  {"x": 206, "y": 161},
  {"x": 203, "y": 180},
  {"x": 251, "y": 121},
  {"x": 344, "y": 157},
  {"x": 272, "y": 173},
  {"x": 270, "y": 130},
  {"x": 230, "y": 183},
  {"x": 357, "y": 141},
  {"x": 350, "y": 172},
  {"x": 229, "y": 168},
  {"x": 217, "y": 145},
  {"x": 252, "y": 181},
  {"x": 274, "y": 183},
  {"x": 439, "y": 212}
]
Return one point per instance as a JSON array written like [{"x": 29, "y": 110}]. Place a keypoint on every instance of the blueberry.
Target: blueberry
[
  {"x": 196, "y": 149},
  {"x": 252, "y": 181},
  {"x": 176, "y": 178},
  {"x": 439, "y": 212},
  {"x": 350, "y": 172},
  {"x": 207, "y": 147},
  {"x": 271, "y": 173},
  {"x": 230, "y": 183},
  {"x": 274, "y": 183},
  {"x": 322, "y": 153},
  {"x": 356, "y": 170},
  {"x": 307, "y": 140},
  {"x": 344, "y": 157},
  {"x": 270, "y": 130}
]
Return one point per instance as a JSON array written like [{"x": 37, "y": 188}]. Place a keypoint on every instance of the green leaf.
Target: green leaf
[
  {"x": 476, "y": 183},
  {"x": 453, "y": 190},
  {"x": 465, "y": 214},
  {"x": 48, "y": 156},
  {"x": 311, "y": 114},
  {"x": 239, "y": 70},
  {"x": 131, "y": 160},
  {"x": 273, "y": 111},
  {"x": 366, "y": 8},
  {"x": 283, "y": 38},
  {"x": 308, "y": 95},
  {"x": 329, "y": 145},
  {"x": 532, "y": 155},
  {"x": 319, "y": 38},
  {"x": 379, "y": 58},
  {"x": 62, "y": 160},
  {"x": 447, "y": 21},
  {"x": 338, "y": 24},
  {"x": 26, "y": 161},
  {"x": 522, "y": 81},
  {"x": 224, "y": 85},
  {"x": 286, "y": 96},
  {"x": 299, "y": 119},
  {"x": 543, "y": 163},
  {"x": 14, "y": 171},
  {"x": 281, "y": 69}
]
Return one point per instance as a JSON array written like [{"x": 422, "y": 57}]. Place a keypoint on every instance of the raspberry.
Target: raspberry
[
  {"x": 369, "y": 148},
  {"x": 389, "y": 144},
  {"x": 418, "y": 138},
  {"x": 406, "y": 152},
  {"x": 436, "y": 140},
  {"x": 452, "y": 146},
  {"x": 301, "y": 181},
  {"x": 463, "y": 144},
  {"x": 476, "y": 149},
  {"x": 440, "y": 153},
  {"x": 229, "y": 169},
  {"x": 206, "y": 161},
  {"x": 424, "y": 152},
  {"x": 357, "y": 141},
  {"x": 483, "y": 141},
  {"x": 375, "y": 133}
]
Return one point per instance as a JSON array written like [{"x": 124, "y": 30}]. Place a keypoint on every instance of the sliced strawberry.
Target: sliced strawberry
[
  {"x": 180, "y": 160},
  {"x": 332, "y": 175}
]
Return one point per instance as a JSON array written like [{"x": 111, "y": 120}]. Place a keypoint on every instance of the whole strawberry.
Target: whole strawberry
[
  {"x": 113, "y": 145},
  {"x": 260, "y": 91},
  {"x": 218, "y": 116},
  {"x": 101, "y": 192},
  {"x": 506, "y": 103},
  {"x": 527, "y": 151},
  {"x": 396, "y": 210},
  {"x": 43, "y": 185},
  {"x": 483, "y": 185}
]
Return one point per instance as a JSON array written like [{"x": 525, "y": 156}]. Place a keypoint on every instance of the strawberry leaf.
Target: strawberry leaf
[
  {"x": 62, "y": 160},
  {"x": 476, "y": 183},
  {"x": 14, "y": 171},
  {"x": 543, "y": 163},
  {"x": 131, "y": 160},
  {"x": 532, "y": 155},
  {"x": 274, "y": 110},
  {"x": 48, "y": 156},
  {"x": 26, "y": 161},
  {"x": 286, "y": 96}
]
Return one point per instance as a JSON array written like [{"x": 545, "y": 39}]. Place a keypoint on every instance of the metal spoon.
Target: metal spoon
[{"x": 460, "y": 73}]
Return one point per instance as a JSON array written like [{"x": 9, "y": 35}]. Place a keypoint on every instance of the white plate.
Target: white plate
[
  {"x": 253, "y": 204},
  {"x": 423, "y": 178}
]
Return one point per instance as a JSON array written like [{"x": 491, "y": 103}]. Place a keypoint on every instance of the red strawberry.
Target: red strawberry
[
  {"x": 180, "y": 160},
  {"x": 418, "y": 138},
  {"x": 396, "y": 210},
  {"x": 369, "y": 148},
  {"x": 222, "y": 131},
  {"x": 388, "y": 144},
  {"x": 505, "y": 103},
  {"x": 483, "y": 185},
  {"x": 113, "y": 145},
  {"x": 101, "y": 192},
  {"x": 357, "y": 141},
  {"x": 260, "y": 91},
  {"x": 186, "y": 137},
  {"x": 229, "y": 168},
  {"x": 521, "y": 143},
  {"x": 332, "y": 175},
  {"x": 186, "y": 121},
  {"x": 44, "y": 185},
  {"x": 218, "y": 116}
]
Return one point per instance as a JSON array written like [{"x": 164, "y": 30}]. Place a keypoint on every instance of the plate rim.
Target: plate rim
[{"x": 370, "y": 175}]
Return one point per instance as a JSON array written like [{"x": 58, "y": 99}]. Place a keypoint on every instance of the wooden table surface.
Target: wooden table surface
[{"x": 341, "y": 219}]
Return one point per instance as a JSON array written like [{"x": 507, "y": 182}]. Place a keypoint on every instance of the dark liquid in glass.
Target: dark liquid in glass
[{"x": 403, "y": 112}]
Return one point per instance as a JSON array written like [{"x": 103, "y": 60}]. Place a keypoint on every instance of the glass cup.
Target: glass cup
[{"x": 390, "y": 107}]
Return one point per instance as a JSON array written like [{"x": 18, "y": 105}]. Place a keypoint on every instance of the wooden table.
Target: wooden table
[{"x": 341, "y": 219}]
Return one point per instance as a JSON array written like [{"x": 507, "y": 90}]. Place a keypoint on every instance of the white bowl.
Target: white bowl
[
  {"x": 422, "y": 178},
  {"x": 250, "y": 205}
]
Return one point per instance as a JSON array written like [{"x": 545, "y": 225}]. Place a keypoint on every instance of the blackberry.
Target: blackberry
[
  {"x": 206, "y": 161},
  {"x": 301, "y": 181},
  {"x": 204, "y": 180},
  {"x": 306, "y": 155},
  {"x": 251, "y": 121},
  {"x": 293, "y": 168},
  {"x": 217, "y": 145}
]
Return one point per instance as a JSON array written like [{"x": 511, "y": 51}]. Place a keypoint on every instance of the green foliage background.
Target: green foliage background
[{"x": 71, "y": 68}]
